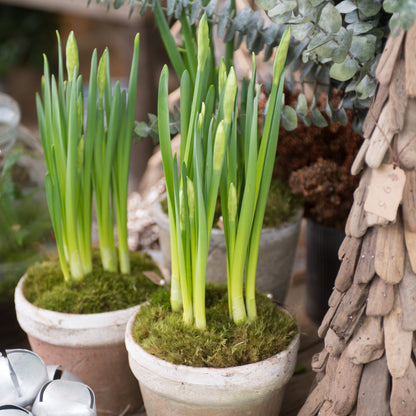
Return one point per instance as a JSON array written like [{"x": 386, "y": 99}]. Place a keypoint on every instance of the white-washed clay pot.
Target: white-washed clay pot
[
  {"x": 178, "y": 390},
  {"x": 276, "y": 254},
  {"x": 90, "y": 346}
]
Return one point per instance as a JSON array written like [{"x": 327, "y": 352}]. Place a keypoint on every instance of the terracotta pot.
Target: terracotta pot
[
  {"x": 179, "y": 390},
  {"x": 91, "y": 346},
  {"x": 276, "y": 254}
]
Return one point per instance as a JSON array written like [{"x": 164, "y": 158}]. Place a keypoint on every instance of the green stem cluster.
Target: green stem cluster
[
  {"x": 86, "y": 155},
  {"x": 192, "y": 179},
  {"x": 245, "y": 185},
  {"x": 219, "y": 150}
]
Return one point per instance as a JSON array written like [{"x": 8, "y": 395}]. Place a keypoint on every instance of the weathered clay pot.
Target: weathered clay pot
[
  {"x": 91, "y": 346},
  {"x": 179, "y": 390},
  {"x": 276, "y": 254}
]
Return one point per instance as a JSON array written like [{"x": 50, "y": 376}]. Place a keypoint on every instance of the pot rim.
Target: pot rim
[
  {"x": 58, "y": 328},
  {"x": 208, "y": 372}
]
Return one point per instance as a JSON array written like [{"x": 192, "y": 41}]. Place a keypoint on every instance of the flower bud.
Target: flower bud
[
  {"x": 102, "y": 73},
  {"x": 232, "y": 203},
  {"x": 219, "y": 146},
  {"x": 203, "y": 41},
  {"x": 72, "y": 61},
  {"x": 230, "y": 95}
]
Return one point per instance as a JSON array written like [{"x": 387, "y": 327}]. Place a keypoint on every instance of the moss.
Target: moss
[
  {"x": 223, "y": 344},
  {"x": 282, "y": 205},
  {"x": 99, "y": 291}
]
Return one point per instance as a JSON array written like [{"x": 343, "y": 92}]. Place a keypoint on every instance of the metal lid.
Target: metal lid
[
  {"x": 63, "y": 398},
  {"x": 22, "y": 374}
]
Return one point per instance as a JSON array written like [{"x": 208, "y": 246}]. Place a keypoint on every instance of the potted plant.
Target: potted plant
[
  {"x": 201, "y": 326},
  {"x": 75, "y": 309}
]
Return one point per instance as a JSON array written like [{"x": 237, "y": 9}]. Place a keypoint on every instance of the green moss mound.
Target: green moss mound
[
  {"x": 282, "y": 205},
  {"x": 98, "y": 292},
  {"x": 223, "y": 344}
]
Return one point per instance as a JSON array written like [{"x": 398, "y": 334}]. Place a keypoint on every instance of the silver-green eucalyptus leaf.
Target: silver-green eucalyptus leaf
[
  {"x": 345, "y": 70},
  {"x": 330, "y": 19},
  {"x": 289, "y": 118},
  {"x": 346, "y": 6},
  {"x": 366, "y": 88},
  {"x": 369, "y": 8},
  {"x": 363, "y": 47},
  {"x": 282, "y": 7},
  {"x": 316, "y": 2},
  {"x": 302, "y": 31},
  {"x": 302, "y": 105},
  {"x": 360, "y": 27},
  {"x": 281, "y": 19},
  {"x": 318, "y": 119}
]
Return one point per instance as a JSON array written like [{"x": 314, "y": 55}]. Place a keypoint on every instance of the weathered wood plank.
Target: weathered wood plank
[
  {"x": 388, "y": 58},
  {"x": 366, "y": 345},
  {"x": 397, "y": 341},
  {"x": 346, "y": 270},
  {"x": 403, "y": 397},
  {"x": 380, "y": 97},
  {"x": 344, "y": 389},
  {"x": 380, "y": 139},
  {"x": 345, "y": 324},
  {"x": 365, "y": 269},
  {"x": 342, "y": 250},
  {"x": 405, "y": 144},
  {"x": 410, "y": 58},
  {"x": 326, "y": 321},
  {"x": 389, "y": 260},
  {"x": 409, "y": 201},
  {"x": 380, "y": 298},
  {"x": 349, "y": 311},
  {"x": 359, "y": 161},
  {"x": 397, "y": 95},
  {"x": 315, "y": 399},
  {"x": 356, "y": 225},
  {"x": 407, "y": 290},
  {"x": 374, "y": 390},
  {"x": 333, "y": 343},
  {"x": 410, "y": 242},
  {"x": 319, "y": 361},
  {"x": 335, "y": 298}
]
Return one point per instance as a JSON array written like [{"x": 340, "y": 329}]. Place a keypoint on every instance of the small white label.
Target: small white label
[{"x": 385, "y": 191}]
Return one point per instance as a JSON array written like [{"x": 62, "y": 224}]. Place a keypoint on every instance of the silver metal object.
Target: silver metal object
[
  {"x": 22, "y": 374},
  {"x": 64, "y": 398},
  {"x": 55, "y": 372},
  {"x": 12, "y": 410}
]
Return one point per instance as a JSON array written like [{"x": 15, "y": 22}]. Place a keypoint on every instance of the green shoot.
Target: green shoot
[
  {"x": 192, "y": 188},
  {"x": 245, "y": 186},
  {"x": 85, "y": 156}
]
